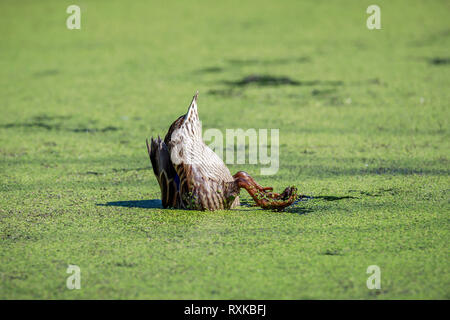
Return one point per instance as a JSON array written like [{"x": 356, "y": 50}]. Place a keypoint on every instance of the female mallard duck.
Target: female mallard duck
[{"x": 192, "y": 176}]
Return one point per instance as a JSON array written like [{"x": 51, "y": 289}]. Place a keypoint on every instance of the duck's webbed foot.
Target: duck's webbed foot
[{"x": 263, "y": 196}]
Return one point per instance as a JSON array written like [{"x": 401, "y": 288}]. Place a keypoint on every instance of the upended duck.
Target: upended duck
[{"x": 192, "y": 176}]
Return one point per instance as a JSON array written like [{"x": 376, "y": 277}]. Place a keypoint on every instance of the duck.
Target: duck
[{"x": 192, "y": 176}]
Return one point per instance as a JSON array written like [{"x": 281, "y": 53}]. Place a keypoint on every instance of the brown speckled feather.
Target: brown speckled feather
[{"x": 204, "y": 178}]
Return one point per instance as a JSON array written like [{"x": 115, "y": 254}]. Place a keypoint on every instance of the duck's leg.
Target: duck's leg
[
  {"x": 263, "y": 196},
  {"x": 245, "y": 175}
]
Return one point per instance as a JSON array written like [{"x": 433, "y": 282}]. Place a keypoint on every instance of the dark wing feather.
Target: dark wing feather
[{"x": 164, "y": 171}]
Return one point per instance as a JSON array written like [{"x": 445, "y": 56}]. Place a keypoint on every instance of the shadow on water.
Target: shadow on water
[
  {"x": 56, "y": 127},
  {"x": 439, "y": 61},
  {"x": 210, "y": 70},
  {"x": 146, "y": 204},
  {"x": 334, "y": 198},
  {"x": 156, "y": 204},
  {"x": 237, "y": 63},
  {"x": 431, "y": 38},
  {"x": 269, "y": 80},
  {"x": 247, "y": 202},
  {"x": 276, "y": 61},
  {"x": 298, "y": 210},
  {"x": 46, "y": 73},
  {"x": 54, "y": 122},
  {"x": 225, "y": 92},
  {"x": 303, "y": 210}
]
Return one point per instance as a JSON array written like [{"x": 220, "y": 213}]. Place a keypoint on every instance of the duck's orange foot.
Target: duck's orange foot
[
  {"x": 275, "y": 201},
  {"x": 263, "y": 196}
]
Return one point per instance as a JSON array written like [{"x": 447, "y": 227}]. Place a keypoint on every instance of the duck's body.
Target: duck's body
[{"x": 192, "y": 176}]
